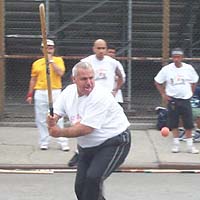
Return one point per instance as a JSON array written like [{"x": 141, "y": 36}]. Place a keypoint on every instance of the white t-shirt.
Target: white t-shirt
[
  {"x": 105, "y": 70},
  {"x": 98, "y": 110},
  {"x": 178, "y": 80}
]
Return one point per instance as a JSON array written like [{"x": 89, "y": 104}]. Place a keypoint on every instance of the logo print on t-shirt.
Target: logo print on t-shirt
[
  {"x": 74, "y": 119},
  {"x": 100, "y": 74},
  {"x": 178, "y": 80}
]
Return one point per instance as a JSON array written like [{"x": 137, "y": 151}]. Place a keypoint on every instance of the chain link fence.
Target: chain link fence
[{"x": 138, "y": 28}]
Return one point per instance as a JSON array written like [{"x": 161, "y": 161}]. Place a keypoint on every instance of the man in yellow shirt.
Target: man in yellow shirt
[{"x": 38, "y": 89}]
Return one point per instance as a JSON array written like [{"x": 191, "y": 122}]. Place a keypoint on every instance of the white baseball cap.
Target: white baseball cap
[
  {"x": 177, "y": 51},
  {"x": 49, "y": 43}
]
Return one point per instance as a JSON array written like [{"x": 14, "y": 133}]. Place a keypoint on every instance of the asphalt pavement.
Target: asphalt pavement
[{"x": 19, "y": 150}]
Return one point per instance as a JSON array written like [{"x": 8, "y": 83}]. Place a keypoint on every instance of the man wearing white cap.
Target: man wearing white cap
[
  {"x": 38, "y": 89},
  {"x": 176, "y": 83}
]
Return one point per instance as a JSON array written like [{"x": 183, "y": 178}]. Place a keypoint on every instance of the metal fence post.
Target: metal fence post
[
  {"x": 165, "y": 32},
  {"x": 165, "y": 36},
  {"x": 129, "y": 52},
  {"x": 2, "y": 47}
]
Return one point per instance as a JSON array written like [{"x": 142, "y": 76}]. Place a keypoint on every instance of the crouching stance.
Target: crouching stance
[{"x": 101, "y": 128}]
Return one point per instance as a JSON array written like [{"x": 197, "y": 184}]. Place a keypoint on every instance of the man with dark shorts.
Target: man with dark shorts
[{"x": 176, "y": 83}]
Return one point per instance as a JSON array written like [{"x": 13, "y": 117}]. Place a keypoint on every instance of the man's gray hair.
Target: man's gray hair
[{"x": 83, "y": 65}]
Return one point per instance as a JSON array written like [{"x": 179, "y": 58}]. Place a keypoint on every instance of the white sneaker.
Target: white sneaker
[
  {"x": 193, "y": 150},
  {"x": 43, "y": 146},
  {"x": 175, "y": 149},
  {"x": 65, "y": 147}
]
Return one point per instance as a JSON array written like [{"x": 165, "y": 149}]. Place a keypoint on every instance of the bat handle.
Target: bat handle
[{"x": 51, "y": 111}]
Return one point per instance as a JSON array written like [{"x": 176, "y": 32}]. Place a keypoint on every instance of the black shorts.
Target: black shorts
[{"x": 180, "y": 108}]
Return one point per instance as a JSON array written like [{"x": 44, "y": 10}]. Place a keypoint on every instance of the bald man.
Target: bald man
[{"x": 105, "y": 69}]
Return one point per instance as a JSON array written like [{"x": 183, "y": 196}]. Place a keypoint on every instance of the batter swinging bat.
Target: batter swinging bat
[{"x": 44, "y": 41}]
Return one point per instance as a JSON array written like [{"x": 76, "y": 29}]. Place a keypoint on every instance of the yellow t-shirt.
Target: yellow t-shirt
[{"x": 39, "y": 71}]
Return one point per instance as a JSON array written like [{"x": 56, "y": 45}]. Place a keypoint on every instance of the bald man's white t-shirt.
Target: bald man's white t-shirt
[
  {"x": 105, "y": 70},
  {"x": 98, "y": 110}
]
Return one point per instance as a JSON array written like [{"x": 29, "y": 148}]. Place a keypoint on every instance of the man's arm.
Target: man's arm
[
  {"x": 121, "y": 68},
  {"x": 29, "y": 95},
  {"x": 161, "y": 89},
  {"x": 70, "y": 132},
  {"x": 193, "y": 86},
  {"x": 119, "y": 81},
  {"x": 58, "y": 70}
]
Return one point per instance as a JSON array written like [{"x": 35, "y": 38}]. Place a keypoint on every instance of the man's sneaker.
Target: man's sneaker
[
  {"x": 65, "y": 147},
  {"x": 175, "y": 149},
  {"x": 74, "y": 160},
  {"x": 193, "y": 150},
  {"x": 43, "y": 146},
  {"x": 181, "y": 134},
  {"x": 196, "y": 136}
]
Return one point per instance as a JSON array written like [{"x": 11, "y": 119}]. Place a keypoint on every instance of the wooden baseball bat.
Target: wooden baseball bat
[{"x": 44, "y": 41}]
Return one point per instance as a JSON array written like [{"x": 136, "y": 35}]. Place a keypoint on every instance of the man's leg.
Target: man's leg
[
  {"x": 63, "y": 141},
  {"x": 73, "y": 162},
  {"x": 41, "y": 110},
  {"x": 173, "y": 121},
  {"x": 187, "y": 117},
  {"x": 82, "y": 168},
  {"x": 196, "y": 117},
  {"x": 107, "y": 157}
]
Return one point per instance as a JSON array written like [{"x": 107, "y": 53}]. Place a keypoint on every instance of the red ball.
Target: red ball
[{"x": 165, "y": 131}]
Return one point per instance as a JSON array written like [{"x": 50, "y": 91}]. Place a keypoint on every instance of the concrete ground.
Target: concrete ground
[{"x": 19, "y": 150}]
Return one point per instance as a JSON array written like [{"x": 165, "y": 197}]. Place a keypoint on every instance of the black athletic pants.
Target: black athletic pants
[{"x": 97, "y": 163}]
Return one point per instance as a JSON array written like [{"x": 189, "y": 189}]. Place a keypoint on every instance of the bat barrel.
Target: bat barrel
[{"x": 44, "y": 41}]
